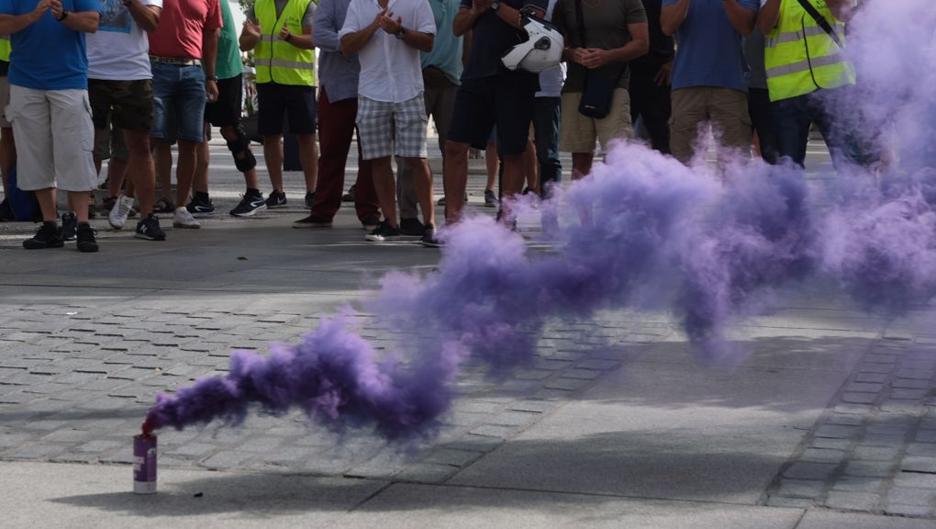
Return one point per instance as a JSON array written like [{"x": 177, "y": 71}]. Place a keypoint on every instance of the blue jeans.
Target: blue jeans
[
  {"x": 546, "y": 137},
  {"x": 839, "y": 125},
  {"x": 178, "y": 103}
]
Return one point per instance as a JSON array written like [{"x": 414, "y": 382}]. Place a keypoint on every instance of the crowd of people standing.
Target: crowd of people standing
[{"x": 85, "y": 81}]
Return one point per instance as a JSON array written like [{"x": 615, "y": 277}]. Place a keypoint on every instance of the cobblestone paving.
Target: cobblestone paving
[
  {"x": 874, "y": 449},
  {"x": 75, "y": 383}
]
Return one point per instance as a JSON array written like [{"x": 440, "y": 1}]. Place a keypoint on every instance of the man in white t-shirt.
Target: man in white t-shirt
[
  {"x": 120, "y": 89},
  {"x": 388, "y": 35}
]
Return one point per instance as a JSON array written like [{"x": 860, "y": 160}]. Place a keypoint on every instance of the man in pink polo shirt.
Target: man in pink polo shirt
[{"x": 183, "y": 49}]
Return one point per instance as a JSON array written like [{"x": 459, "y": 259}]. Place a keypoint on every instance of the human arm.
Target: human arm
[
  {"x": 638, "y": 46},
  {"x": 768, "y": 16},
  {"x": 80, "y": 21},
  {"x": 419, "y": 33},
  {"x": 306, "y": 41},
  {"x": 209, "y": 61},
  {"x": 146, "y": 16},
  {"x": 250, "y": 32},
  {"x": 10, "y": 24},
  {"x": 325, "y": 28},
  {"x": 672, "y": 16},
  {"x": 353, "y": 39},
  {"x": 740, "y": 17}
]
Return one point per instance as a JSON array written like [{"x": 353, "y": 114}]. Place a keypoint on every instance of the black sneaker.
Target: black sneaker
[
  {"x": 6, "y": 212},
  {"x": 148, "y": 229},
  {"x": 370, "y": 224},
  {"x": 86, "y": 242},
  {"x": 411, "y": 227},
  {"x": 309, "y": 199},
  {"x": 429, "y": 239},
  {"x": 312, "y": 222},
  {"x": 349, "y": 196},
  {"x": 69, "y": 226},
  {"x": 382, "y": 232},
  {"x": 163, "y": 205},
  {"x": 48, "y": 236},
  {"x": 200, "y": 207},
  {"x": 249, "y": 205},
  {"x": 490, "y": 199},
  {"x": 277, "y": 199}
]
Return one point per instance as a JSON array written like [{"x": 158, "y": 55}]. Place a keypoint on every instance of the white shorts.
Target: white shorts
[
  {"x": 386, "y": 128},
  {"x": 54, "y": 139}
]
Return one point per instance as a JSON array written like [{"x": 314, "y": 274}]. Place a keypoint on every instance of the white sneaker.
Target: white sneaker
[
  {"x": 119, "y": 213},
  {"x": 184, "y": 219}
]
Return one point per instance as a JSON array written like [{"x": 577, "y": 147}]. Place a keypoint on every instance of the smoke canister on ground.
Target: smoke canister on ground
[{"x": 144, "y": 464}]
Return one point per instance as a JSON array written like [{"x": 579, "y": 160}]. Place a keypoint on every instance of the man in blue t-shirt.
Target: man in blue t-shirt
[
  {"x": 49, "y": 109},
  {"x": 490, "y": 94},
  {"x": 708, "y": 74}
]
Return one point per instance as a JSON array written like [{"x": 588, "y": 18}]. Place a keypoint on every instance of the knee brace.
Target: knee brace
[{"x": 244, "y": 159}]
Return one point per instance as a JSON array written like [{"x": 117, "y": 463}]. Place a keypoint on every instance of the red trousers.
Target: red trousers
[{"x": 336, "y": 129}]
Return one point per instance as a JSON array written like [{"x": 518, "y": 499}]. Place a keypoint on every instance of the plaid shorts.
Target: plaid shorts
[{"x": 385, "y": 129}]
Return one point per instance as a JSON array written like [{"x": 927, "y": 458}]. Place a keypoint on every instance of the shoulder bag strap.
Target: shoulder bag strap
[{"x": 821, "y": 20}]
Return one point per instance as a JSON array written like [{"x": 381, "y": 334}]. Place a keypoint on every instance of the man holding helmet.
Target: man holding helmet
[{"x": 490, "y": 94}]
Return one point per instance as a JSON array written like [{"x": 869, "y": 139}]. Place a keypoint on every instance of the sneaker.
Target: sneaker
[
  {"x": 164, "y": 205},
  {"x": 441, "y": 202},
  {"x": 108, "y": 204},
  {"x": 429, "y": 239},
  {"x": 490, "y": 199},
  {"x": 312, "y": 222},
  {"x": 370, "y": 224},
  {"x": 120, "y": 211},
  {"x": 411, "y": 227},
  {"x": 382, "y": 232},
  {"x": 249, "y": 205},
  {"x": 349, "y": 196},
  {"x": 184, "y": 219},
  {"x": 69, "y": 226},
  {"x": 200, "y": 207},
  {"x": 148, "y": 229},
  {"x": 309, "y": 199},
  {"x": 86, "y": 242},
  {"x": 6, "y": 212},
  {"x": 48, "y": 236},
  {"x": 277, "y": 199}
]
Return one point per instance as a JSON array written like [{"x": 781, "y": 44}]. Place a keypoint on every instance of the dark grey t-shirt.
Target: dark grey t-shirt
[
  {"x": 606, "y": 24},
  {"x": 754, "y": 53},
  {"x": 492, "y": 38}
]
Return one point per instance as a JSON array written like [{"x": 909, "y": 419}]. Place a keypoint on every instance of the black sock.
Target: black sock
[
  {"x": 253, "y": 192},
  {"x": 201, "y": 196},
  {"x": 52, "y": 223}
]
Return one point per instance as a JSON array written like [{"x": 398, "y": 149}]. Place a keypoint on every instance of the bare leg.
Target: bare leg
[
  {"x": 46, "y": 198},
  {"x": 203, "y": 157},
  {"x": 386, "y": 190},
  {"x": 454, "y": 179},
  {"x": 78, "y": 201},
  {"x": 422, "y": 177},
  {"x": 513, "y": 175},
  {"x": 581, "y": 164},
  {"x": 163, "y": 168},
  {"x": 250, "y": 177},
  {"x": 142, "y": 169},
  {"x": 273, "y": 152},
  {"x": 531, "y": 167},
  {"x": 116, "y": 172},
  {"x": 308, "y": 157},
  {"x": 7, "y": 157},
  {"x": 185, "y": 171},
  {"x": 491, "y": 162}
]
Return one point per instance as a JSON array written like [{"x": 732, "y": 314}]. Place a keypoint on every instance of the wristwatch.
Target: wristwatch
[
  {"x": 63, "y": 17},
  {"x": 495, "y": 5},
  {"x": 400, "y": 34}
]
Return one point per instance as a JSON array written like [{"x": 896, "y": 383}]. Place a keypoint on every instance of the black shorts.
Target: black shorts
[
  {"x": 294, "y": 103},
  {"x": 128, "y": 103},
  {"x": 226, "y": 111},
  {"x": 506, "y": 101}
]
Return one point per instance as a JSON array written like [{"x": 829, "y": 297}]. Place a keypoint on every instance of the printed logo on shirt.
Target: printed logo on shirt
[{"x": 115, "y": 17}]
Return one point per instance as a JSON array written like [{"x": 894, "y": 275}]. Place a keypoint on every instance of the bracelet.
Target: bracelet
[{"x": 211, "y": 77}]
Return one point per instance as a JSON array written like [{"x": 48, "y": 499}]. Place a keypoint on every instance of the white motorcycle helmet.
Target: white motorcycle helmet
[{"x": 540, "y": 51}]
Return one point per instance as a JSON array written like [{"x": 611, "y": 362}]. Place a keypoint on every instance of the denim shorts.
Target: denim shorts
[{"x": 178, "y": 102}]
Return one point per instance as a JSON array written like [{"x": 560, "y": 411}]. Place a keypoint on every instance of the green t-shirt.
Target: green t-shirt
[{"x": 229, "y": 62}]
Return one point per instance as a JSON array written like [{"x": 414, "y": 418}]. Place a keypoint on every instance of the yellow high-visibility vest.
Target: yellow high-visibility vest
[
  {"x": 5, "y": 48},
  {"x": 276, "y": 60},
  {"x": 801, "y": 57}
]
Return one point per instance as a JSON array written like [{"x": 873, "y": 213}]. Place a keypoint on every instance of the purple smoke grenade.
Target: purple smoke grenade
[{"x": 144, "y": 464}]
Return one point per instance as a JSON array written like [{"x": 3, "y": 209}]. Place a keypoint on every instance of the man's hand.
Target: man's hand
[
  {"x": 665, "y": 76},
  {"x": 595, "y": 58},
  {"x": 56, "y": 7},
  {"x": 42, "y": 7},
  {"x": 391, "y": 26},
  {"x": 577, "y": 55},
  {"x": 480, "y": 6},
  {"x": 251, "y": 28},
  {"x": 284, "y": 33},
  {"x": 211, "y": 89}
]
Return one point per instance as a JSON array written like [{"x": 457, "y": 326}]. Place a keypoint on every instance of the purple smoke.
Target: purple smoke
[{"x": 641, "y": 231}]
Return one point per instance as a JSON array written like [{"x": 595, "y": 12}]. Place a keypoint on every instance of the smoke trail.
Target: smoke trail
[{"x": 641, "y": 230}]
